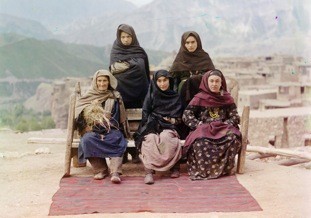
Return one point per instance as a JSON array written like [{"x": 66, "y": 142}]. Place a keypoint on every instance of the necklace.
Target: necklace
[{"x": 213, "y": 112}]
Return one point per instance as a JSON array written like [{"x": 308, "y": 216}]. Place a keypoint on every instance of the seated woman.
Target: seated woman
[
  {"x": 157, "y": 138},
  {"x": 129, "y": 64},
  {"x": 101, "y": 122},
  {"x": 215, "y": 138},
  {"x": 191, "y": 62}
]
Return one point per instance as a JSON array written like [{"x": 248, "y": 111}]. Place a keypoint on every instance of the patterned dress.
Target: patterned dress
[{"x": 212, "y": 155}]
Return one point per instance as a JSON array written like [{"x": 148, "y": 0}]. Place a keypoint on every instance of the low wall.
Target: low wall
[{"x": 262, "y": 128}]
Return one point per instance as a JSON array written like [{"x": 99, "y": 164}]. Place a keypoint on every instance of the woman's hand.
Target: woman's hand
[{"x": 170, "y": 120}]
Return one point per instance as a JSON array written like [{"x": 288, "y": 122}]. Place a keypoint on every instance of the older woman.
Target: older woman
[
  {"x": 129, "y": 64},
  {"x": 158, "y": 139},
  {"x": 191, "y": 62},
  {"x": 102, "y": 123},
  {"x": 215, "y": 139}
]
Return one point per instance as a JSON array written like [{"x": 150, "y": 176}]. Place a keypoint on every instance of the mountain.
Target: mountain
[
  {"x": 32, "y": 59},
  {"x": 56, "y": 14},
  {"x": 24, "y": 27},
  {"x": 227, "y": 28}
]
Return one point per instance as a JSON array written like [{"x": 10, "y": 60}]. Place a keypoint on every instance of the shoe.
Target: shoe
[
  {"x": 175, "y": 173},
  {"x": 100, "y": 176},
  {"x": 149, "y": 179},
  {"x": 115, "y": 178},
  {"x": 136, "y": 160}
]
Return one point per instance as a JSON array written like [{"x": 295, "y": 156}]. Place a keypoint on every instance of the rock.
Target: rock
[{"x": 43, "y": 150}]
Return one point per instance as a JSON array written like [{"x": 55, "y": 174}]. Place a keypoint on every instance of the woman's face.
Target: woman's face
[
  {"x": 126, "y": 38},
  {"x": 191, "y": 44},
  {"x": 163, "y": 83},
  {"x": 214, "y": 83},
  {"x": 102, "y": 83}
]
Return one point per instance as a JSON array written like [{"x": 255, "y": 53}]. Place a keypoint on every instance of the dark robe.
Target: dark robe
[
  {"x": 190, "y": 65},
  {"x": 157, "y": 105},
  {"x": 133, "y": 83}
]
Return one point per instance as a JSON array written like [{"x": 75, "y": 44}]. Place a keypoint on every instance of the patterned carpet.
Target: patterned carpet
[{"x": 83, "y": 195}]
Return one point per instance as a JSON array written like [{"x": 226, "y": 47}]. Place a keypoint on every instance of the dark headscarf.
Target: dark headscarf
[
  {"x": 166, "y": 103},
  {"x": 191, "y": 61},
  {"x": 120, "y": 52},
  {"x": 207, "y": 98}
]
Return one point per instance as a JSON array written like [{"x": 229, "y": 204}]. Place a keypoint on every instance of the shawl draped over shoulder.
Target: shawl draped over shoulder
[
  {"x": 138, "y": 73},
  {"x": 157, "y": 105},
  {"x": 191, "y": 61},
  {"x": 108, "y": 96},
  {"x": 207, "y": 98}
]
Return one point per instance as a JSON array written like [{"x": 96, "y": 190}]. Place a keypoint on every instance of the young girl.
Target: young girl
[{"x": 157, "y": 138}]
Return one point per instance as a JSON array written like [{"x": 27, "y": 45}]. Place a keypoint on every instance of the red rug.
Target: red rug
[{"x": 83, "y": 195}]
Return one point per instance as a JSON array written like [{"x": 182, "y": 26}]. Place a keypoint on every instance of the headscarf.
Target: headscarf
[
  {"x": 191, "y": 61},
  {"x": 120, "y": 52},
  {"x": 166, "y": 103},
  {"x": 108, "y": 96},
  {"x": 207, "y": 98}
]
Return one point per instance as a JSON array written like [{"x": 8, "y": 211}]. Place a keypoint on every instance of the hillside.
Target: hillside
[
  {"x": 31, "y": 58},
  {"x": 24, "y": 27},
  {"x": 51, "y": 59}
]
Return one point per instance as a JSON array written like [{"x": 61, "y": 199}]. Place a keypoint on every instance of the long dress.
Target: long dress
[
  {"x": 102, "y": 143},
  {"x": 215, "y": 138},
  {"x": 212, "y": 154},
  {"x": 158, "y": 140}
]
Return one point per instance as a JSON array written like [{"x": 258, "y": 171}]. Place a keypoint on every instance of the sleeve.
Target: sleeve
[
  {"x": 189, "y": 116},
  {"x": 81, "y": 124},
  {"x": 210, "y": 64},
  {"x": 146, "y": 109},
  {"x": 232, "y": 115}
]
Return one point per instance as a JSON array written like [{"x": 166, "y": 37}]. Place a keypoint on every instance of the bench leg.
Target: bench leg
[{"x": 75, "y": 161}]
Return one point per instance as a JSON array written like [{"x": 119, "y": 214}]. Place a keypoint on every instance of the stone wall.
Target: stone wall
[{"x": 261, "y": 130}]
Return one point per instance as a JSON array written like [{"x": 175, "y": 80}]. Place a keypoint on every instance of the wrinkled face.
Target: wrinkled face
[
  {"x": 102, "y": 83},
  {"x": 126, "y": 38},
  {"x": 214, "y": 83},
  {"x": 191, "y": 44},
  {"x": 163, "y": 83}
]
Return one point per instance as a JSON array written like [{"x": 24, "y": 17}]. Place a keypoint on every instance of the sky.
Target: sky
[{"x": 139, "y": 2}]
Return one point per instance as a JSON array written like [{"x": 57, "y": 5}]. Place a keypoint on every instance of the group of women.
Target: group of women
[{"x": 190, "y": 101}]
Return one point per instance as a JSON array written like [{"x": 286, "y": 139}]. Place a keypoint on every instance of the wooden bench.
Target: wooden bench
[{"x": 134, "y": 117}]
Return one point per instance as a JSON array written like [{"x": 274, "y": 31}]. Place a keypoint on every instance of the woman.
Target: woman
[
  {"x": 129, "y": 64},
  {"x": 101, "y": 122},
  {"x": 215, "y": 138},
  {"x": 157, "y": 138},
  {"x": 191, "y": 62}
]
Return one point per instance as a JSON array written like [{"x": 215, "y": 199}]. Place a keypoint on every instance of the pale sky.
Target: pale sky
[{"x": 139, "y": 2}]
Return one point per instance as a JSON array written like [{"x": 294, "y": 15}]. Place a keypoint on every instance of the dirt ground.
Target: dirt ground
[{"x": 28, "y": 182}]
